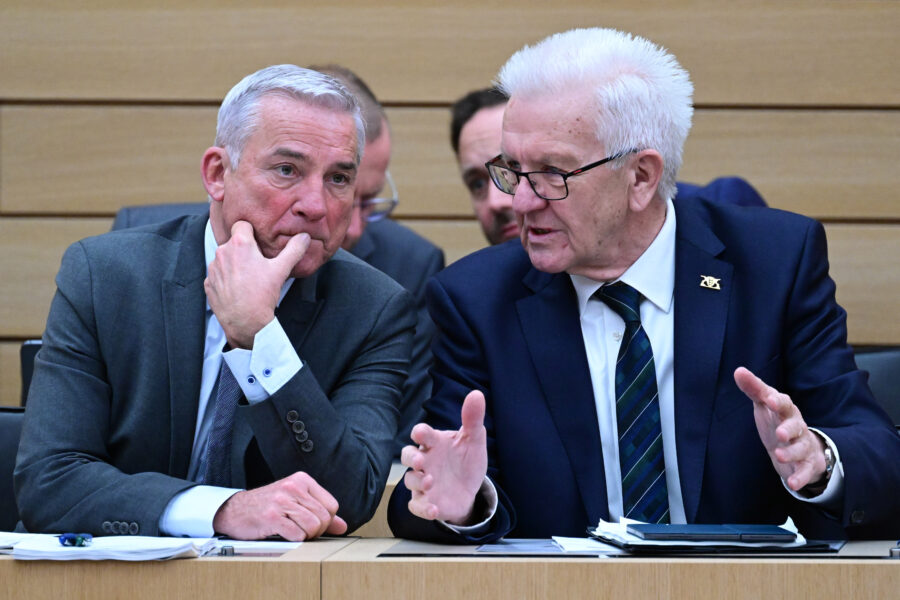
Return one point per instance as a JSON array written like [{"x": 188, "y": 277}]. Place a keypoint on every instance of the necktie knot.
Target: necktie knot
[{"x": 623, "y": 299}]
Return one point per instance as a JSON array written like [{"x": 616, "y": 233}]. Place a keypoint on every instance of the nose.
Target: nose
[
  {"x": 525, "y": 200},
  {"x": 311, "y": 201},
  {"x": 497, "y": 201}
]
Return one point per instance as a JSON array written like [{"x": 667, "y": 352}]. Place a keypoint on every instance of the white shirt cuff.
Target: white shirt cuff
[
  {"x": 489, "y": 492},
  {"x": 191, "y": 512},
  {"x": 835, "y": 487},
  {"x": 264, "y": 370}
]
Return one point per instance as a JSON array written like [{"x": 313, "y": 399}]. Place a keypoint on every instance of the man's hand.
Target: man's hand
[
  {"x": 296, "y": 508},
  {"x": 797, "y": 453},
  {"x": 242, "y": 286},
  {"x": 448, "y": 467}
]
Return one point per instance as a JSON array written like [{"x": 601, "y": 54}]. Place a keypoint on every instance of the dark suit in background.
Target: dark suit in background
[
  {"x": 514, "y": 332},
  {"x": 113, "y": 403},
  {"x": 411, "y": 261}
]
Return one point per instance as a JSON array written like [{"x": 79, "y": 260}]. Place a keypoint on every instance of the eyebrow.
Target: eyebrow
[
  {"x": 474, "y": 170},
  {"x": 347, "y": 166},
  {"x": 291, "y": 154}
]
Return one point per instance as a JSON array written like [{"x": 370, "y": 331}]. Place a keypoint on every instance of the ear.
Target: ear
[
  {"x": 647, "y": 168},
  {"x": 212, "y": 170}
]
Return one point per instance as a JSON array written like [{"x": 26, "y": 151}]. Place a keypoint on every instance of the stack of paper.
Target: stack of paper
[{"x": 47, "y": 547}]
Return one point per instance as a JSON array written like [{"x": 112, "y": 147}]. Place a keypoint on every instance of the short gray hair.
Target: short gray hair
[
  {"x": 239, "y": 111},
  {"x": 643, "y": 96}
]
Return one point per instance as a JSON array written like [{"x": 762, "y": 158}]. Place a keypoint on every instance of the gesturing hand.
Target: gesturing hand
[
  {"x": 797, "y": 453},
  {"x": 242, "y": 286},
  {"x": 296, "y": 508},
  {"x": 448, "y": 467}
]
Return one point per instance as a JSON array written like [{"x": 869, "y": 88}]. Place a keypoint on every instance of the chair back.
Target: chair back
[
  {"x": 883, "y": 365},
  {"x": 11, "y": 418}
]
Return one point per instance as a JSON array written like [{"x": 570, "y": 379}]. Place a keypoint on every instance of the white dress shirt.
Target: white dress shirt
[{"x": 260, "y": 372}]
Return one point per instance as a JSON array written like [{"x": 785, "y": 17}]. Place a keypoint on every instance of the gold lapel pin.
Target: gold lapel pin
[{"x": 710, "y": 282}]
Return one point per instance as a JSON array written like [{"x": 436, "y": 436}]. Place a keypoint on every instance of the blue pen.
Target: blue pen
[{"x": 76, "y": 539}]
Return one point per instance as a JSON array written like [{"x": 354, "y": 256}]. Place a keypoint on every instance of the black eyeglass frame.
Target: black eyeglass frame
[{"x": 491, "y": 165}]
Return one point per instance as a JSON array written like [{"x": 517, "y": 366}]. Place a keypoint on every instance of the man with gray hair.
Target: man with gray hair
[
  {"x": 239, "y": 374},
  {"x": 636, "y": 357}
]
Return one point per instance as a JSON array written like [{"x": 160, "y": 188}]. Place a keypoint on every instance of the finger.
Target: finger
[
  {"x": 289, "y": 530},
  {"x": 312, "y": 520},
  {"x": 415, "y": 458},
  {"x": 791, "y": 429},
  {"x": 802, "y": 450},
  {"x": 291, "y": 254},
  {"x": 761, "y": 393},
  {"x": 338, "y": 526},
  {"x": 423, "y": 509},
  {"x": 413, "y": 481},
  {"x": 472, "y": 414},
  {"x": 754, "y": 387},
  {"x": 424, "y": 435},
  {"x": 323, "y": 498},
  {"x": 801, "y": 477},
  {"x": 406, "y": 456}
]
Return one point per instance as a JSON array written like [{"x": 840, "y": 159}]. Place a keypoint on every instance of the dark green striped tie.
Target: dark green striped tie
[{"x": 644, "y": 494}]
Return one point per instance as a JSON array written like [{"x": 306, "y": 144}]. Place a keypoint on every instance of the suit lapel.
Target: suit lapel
[
  {"x": 552, "y": 331},
  {"x": 700, "y": 319},
  {"x": 184, "y": 307}
]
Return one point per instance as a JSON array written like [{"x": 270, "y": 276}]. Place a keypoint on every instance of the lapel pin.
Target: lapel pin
[{"x": 710, "y": 282}]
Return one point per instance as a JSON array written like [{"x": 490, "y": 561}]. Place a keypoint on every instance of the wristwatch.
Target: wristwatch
[{"x": 830, "y": 461}]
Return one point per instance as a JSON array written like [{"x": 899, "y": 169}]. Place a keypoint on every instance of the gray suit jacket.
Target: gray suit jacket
[
  {"x": 113, "y": 403},
  {"x": 411, "y": 261}
]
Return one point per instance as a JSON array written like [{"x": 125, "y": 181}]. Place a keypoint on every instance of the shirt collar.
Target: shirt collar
[
  {"x": 209, "y": 251},
  {"x": 652, "y": 274}
]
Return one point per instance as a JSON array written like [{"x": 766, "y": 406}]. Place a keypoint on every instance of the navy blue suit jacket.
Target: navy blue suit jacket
[{"x": 514, "y": 332}]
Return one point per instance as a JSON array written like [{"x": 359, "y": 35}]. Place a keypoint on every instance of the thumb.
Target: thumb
[
  {"x": 472, "y": 415},
  {"x": 291, "y": 254},
  {"x": 750, "y": 384}
]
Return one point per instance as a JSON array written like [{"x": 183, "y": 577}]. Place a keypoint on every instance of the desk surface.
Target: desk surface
[
  {"x": 356, "y": 571},
  {"x": 296, "y": 575},
  {"x": 351, "y": 569}
]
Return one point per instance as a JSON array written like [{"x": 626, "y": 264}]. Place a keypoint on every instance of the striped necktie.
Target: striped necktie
[
  {"x": 218, "y": 448},
  {"x": 644, "y": 492}
]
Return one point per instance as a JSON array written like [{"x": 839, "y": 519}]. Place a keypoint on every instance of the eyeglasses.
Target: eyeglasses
[
  {"x": 375, "y": 209},
  {"x": 549, "y": 185}
]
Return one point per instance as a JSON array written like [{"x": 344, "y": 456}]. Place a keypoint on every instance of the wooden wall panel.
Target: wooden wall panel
[
  {"x": 864, "y": 262},
  {"x": 826, "y": 164},
  {"x": 95, "y": 159},
  {"x": 30, "y": 252},
  {"x": 740, "y": 52},
  {"x": 10, "y": 375}
]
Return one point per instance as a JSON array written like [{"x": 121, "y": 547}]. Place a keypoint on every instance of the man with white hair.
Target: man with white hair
[
  {"x": 636, "y": 357},
  {"x": 239, "y": 374}
]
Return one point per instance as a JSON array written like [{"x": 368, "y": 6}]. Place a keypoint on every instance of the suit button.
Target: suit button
[
  {"x": 133, "y": 528},
  {"x": 307, "y": 446},
  {"x": 298, "y": 427},
  {"x": 857, "y": 517},
  {"x": 106, "y": 527},
  {"x": 302, "y": 436},
  {"x": 292, "y": 416}
]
